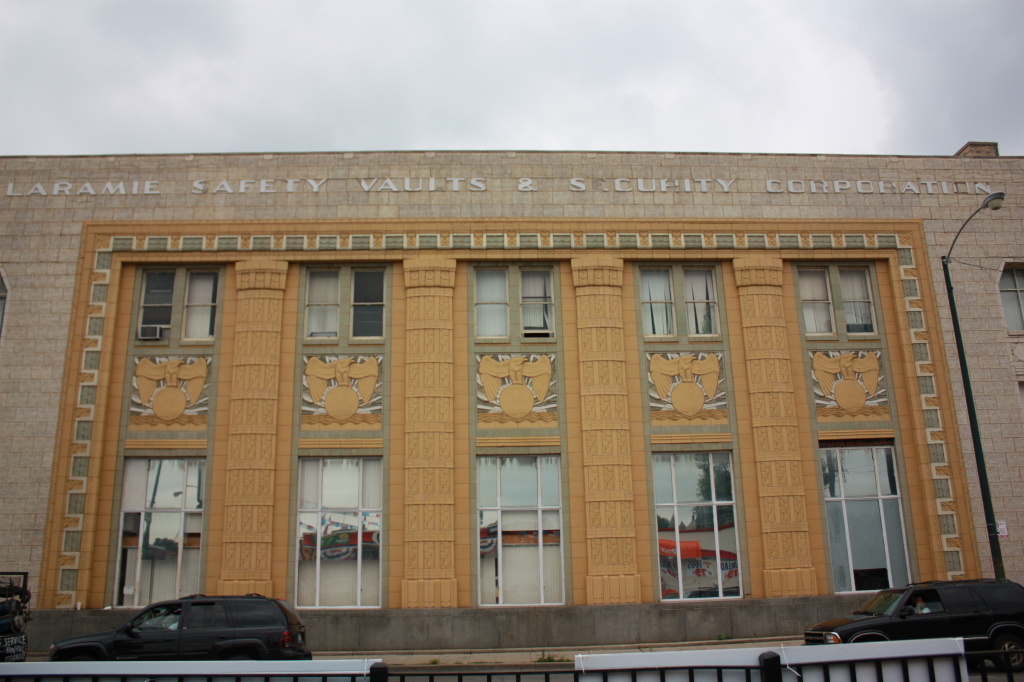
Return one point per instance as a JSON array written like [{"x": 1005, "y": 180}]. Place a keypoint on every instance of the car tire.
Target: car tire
[{"x": 1008, "y": 643}]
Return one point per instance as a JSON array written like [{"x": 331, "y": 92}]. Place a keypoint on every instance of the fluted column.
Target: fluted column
[
  {"x": 429, "y": 435},
  {"x": 252, "y": 431},
  {"x": 783, "y": 511},
  {"x": 612, "y": 576}
]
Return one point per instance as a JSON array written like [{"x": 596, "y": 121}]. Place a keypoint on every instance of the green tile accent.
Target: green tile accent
[
  {"x": 494, "y": 241},
  {"x": 95, "y": 326},
  {"x": 462, "y": 241},
  {"x": 937, "y": 452},
  {"x": 72, "y": 540},
  {"x": 561, "y": 241},
  {"x": 926, "y": 385},
  {"x": 394, "y": 241},
  {"x": 594, "y": 241},
  {"x": 886, "y": 241},
  {"x": 660, "y": 241},
  {"x": 262, "y": 243},
  {"x": 855, "y": 241},
  {"x": 91, "y": 360},
  {"x": 756, "y": 241},
  {"x": 627, "y": 241},
  {"x": 80, "y": 466},
  {"x": 295, "y": 243},
  {"x": 942, "y": 489},
  {"x": 905, "y": 256},
  {"x": 529, "y": 241},
  {"x": 123, "y": 243},
  {"x": 327, "y": 242},
  {"x": 789, "y": 241},
  {"x": 947, "y": 524},
  {"x": 725, "y": 241},
  {"x": 910, "y": 287},
  {"x": 103, "y": 259},
  {"x": 915, "y": 318},
  {"x": 931, "y": 419},
  {"x": 359, "y": 242},
  {"x": 156, "y": 244},
  {"x": 920, "y": 352},
  {"x": 87, "y": 395},
  {"x": 68, "y": 579},
  {"x": 191, "y": 243},
  {"x": 428, "y": 241},
  {"x": 953, "y": 561},
  {"x": 821, "y": 241},
  {"x": 693, "y": 241},
  {"x": 99, "y": 293},
  {"x": 227, "y": 243},
  {"x": 76, "y": 503},
  {"x": 83, "y": 430}
]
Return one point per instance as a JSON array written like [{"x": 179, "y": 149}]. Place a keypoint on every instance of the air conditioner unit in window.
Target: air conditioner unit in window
[{"x": 149, "y": 333}]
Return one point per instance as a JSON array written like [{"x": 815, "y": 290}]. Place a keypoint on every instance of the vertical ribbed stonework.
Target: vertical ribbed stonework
[
  {"x": 252, "y": 430},
  {"x": 787, "y": 563},
  {"x": 429, "y": 435},
  {"x": 612, "y": 576}
]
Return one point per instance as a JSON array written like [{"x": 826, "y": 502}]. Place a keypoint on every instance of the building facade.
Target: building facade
[{"x": 376, "y": 383}]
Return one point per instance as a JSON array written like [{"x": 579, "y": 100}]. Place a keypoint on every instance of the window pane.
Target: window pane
[
  {"x": 518, "y": 481},
  {"x": 372, "y": 484},
  {"x": 370, "y": 558},
  {"x": 166, "y": 484},
  {"x": 723, "y": 477},
  {"x": 659, "y": 319},
  {"x": 668, "y": 553},
  {"x": 837, "y": 545},
  {"x": 813, "y": 285},
  {"x": 894, "y": 535},
  {"x": 323, "y": 287},
  {"x": 368, "y": 286},
  {"x": 340, "y": 486},
  {"x": 692, "y": 481},
  {"x": 887, "y": 472},
  {"x": 322, "y": 321},
  {"x": 489, "y": 586},
  {"x": 657, "y": 310},
  {"x": 699, "y": 286},
  {"x": 194, "y": 484},
  {"x": 859, "y": 473},
  {"x": 309, "y": 483},
  {"x": 159, "y": 289},
  {"x": 339, "y": 554},
  {"x": 491, "y": 287},
  {"x": 1012, "y": 309},
  {"x": 305, "y": 593},
  {"x": 202, "y": 288},
  {"x": 870, "y": 570},
  {"x": 492, "y": 320},
  {"x": 487, "y": 481},
  {"x": 536, "y": 286},
  {"x": 158, "y": 574},
  {"x": 655, "y": 285},
  {"x": 663, "y": 479},
  {"x": 133, "y": 485},
  {"x": 728, "y": 551},
  {"x": 368, "y": 320},
  {"x": 156, "y": 315},
  {"x": 520, "y": 560},
  {"x": 858, "y": 318},
  {"x": 550, "y": 493},
  {"x": 854, "y": 285},
  {"x": 816, "y": 301}
]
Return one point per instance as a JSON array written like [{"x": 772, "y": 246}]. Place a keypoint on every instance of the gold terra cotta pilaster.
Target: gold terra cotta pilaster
[
  {"x": 787, "y": 564},
  {"x": 252, "y": 431},
  {"x": 430, "y": 434},
  {"x": 612, "y": 575}
]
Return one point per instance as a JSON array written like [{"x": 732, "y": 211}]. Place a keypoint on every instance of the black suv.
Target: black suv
[
  {"x": 196, "y": 628},
  {"x": 988, "y": 614}
]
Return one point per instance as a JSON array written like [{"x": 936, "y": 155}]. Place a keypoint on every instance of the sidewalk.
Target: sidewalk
[{"x": 439, "y": 662}]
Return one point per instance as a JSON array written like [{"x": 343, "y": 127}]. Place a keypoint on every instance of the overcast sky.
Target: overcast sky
[{"x": 156, "y": 76}]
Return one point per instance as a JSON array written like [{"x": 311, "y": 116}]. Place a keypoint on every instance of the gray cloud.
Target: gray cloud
[{"x": 91, "y": 77}]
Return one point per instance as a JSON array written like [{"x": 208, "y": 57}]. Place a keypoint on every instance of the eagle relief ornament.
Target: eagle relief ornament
[
  {"x": 505, "y": 383},
  {"x": 342, "y": 385},
  {"x": 169, "y": 386},
  {"x": 851, "y": 380},
  {"x": 697, "y": 380}
]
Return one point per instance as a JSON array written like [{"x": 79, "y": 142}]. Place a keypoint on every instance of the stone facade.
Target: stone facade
[{"x": 79, "y": 234}]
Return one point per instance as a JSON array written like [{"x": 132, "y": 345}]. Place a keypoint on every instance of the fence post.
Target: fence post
[{"x": 771, "y": 667}]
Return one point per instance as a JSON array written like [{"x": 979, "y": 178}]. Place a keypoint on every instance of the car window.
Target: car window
[
  {"x": 1007, "y": 597},
  {"x": 205, "y": 615},
  {"x": 293, "y": 617},
  {"x": 256, "y": 613},
  {"x": 926, "y": 601},
  {"x": 883, "y": 603},
  {"x": 961, "y": 600},
  {"x": 163, "y": 617}
]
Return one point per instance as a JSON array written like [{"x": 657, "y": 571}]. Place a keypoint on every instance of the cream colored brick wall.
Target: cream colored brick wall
[{"x": 39, "y": 250}]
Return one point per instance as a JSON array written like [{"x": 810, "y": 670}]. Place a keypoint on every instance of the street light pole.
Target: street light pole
[{"x": 995, "y": 202}]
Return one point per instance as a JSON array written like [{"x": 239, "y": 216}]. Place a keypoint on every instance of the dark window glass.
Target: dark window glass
[
  {"x": 960, "y": 600},
  {"x": 1005, "y": 597},
  {"x": 256, "y": 613},
  {"x": 156, "y": 299},
  {"x": 203, "y": 615},
  {"x": 368, "y": 303}
]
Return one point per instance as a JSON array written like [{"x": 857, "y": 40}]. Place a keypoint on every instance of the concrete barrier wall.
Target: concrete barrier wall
[{"x": 500, "y": 628}]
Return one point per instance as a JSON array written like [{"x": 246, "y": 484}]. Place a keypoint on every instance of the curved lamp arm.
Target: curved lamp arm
[{"x": 993, "y": 201}]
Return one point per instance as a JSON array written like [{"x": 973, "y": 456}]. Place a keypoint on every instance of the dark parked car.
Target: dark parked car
[
  {"x": 196, "y": 628},
  {"x": 988, "y": 614}
]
